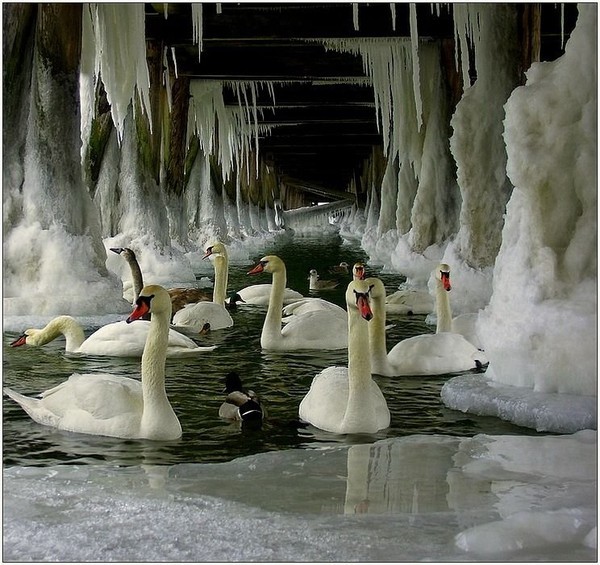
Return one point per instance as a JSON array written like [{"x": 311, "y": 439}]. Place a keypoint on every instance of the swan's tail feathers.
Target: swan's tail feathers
[
  {"x": 24, "y": 401},
  {"x": 33, "y": 407}
]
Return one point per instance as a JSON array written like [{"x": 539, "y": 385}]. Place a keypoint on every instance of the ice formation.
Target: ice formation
[
  {"x": 120, "y": 46},
  {"x": 540, "y": 326}
]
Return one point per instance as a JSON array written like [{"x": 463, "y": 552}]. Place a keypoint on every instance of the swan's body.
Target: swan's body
[
  {"x": 103, "y": 404},
  {"x": 466, "y": 325},
  {"x": 214, "y": 313},
  {"x": 312, "y": 330},
  {"x": 259, "y": 294},
  {"x": 312, "y": 304},
  {"x": 341, "y": 269},
  {"x": 346, "y": 399},
  {"x": 117, "y": 339},
  {"x": 428, "y": 354},
  {"x": 410, "y": 301},
  {"x": 315, "y": 283},
  {"x": 239, "y": 404}
]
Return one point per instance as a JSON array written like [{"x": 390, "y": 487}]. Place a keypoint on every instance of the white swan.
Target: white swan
[
  {"x": 312, "y": 330},
  {"x": 346, "y": 399},
  {"x": 195, "y": 316},
  {"x": 180, "y": 296},
  {"x": 428, "y": 354},
  {"x": 116, "y": 339},
  {"x": 315, "y": 282},
  {"x": 137, "y": 279},
  {"x": 311, "y": 304},
  {"x": 103, "y": 404},
  {"x": 259, "y": 294}
]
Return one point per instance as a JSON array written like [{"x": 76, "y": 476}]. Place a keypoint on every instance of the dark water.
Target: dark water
[{"x": 194, "y": 385}]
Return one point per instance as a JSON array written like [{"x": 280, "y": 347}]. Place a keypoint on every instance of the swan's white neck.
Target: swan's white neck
[
  {"x": 359, "y": 415},
  {"x": 377, "y": 340},
  {"x": 157, "y": 414},
  {"x": 65, "y": 325},
  {"x": 221, "y": 264},
  {"x": 271, "y": 332},
  {"x": 443, "y": 310}
]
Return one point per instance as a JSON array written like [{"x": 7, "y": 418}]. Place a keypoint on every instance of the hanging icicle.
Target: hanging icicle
[
  {"x": 219, "y": 8},
  {"x": 197, "y": 26},
  {"x": 562, "y": 26},
  {"x": 120, "y": 58},
  {"x": 393, "y": 10},
  {"x": 174, "y": 62},
  {"x": 167, "y": 77},
  {"x": 355, "y": 15},
  {"x": 414, "y": 42}
]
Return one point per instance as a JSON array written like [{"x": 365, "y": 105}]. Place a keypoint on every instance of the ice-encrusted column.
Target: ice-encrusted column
[{"x": 540, "y": 328}]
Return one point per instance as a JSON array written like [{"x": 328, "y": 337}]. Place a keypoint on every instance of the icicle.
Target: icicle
[
  {"x": 167, "y": 77},
  {"x": 174, "y": 62},
  {"x": 393, "y": 10},
  {"x": 414, "y": 41},
  {"x": 562, "y": 25},
  {"x": 119, "y": 37},
  {"x": 355, "y": 15},
  {"x": 219, "y": 8},
  {"x": 166, "y": 10},
  {"x": 197, "y": 26}
]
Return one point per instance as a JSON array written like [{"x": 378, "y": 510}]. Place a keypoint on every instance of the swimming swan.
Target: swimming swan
[
  {"x": 108, "y": 405},
  {"x": 427, "y": 354},
  {"x": 116, "y": 339},
  {"x": 136, "y": 272},
  {"x": 312, "y": 330},
  {"x": 347, "y": 400},
  {"x": 196, "y": 315},
  {"x": 180, "y": 296}
]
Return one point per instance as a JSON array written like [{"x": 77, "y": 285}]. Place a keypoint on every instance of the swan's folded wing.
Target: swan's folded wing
[
  {"x": 319, "y": 327},
  {"x": 102, "y": 396}
]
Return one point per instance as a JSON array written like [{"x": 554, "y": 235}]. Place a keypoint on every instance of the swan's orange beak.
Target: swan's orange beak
[
  {"x": 258, "y": 269},
  {"x": 142, "y": 307},
  {"x": 360, "y": 272},
  {"x": 445, "y": 277},
  {"x": 21, "y": 340},
  {"x": 362, "y": 302}
]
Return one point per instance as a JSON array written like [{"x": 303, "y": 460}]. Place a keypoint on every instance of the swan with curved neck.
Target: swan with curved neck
[
  {"x": 136, "y": 273},
  {"x": 428, "y": 354},
  {"x": 214, "y": 313},
  {"x": 108, "y": 405},
  {"x": 115, "y": 340},
  {"x": 346, "y": 399},
  {"x": 312, "y": 330}
]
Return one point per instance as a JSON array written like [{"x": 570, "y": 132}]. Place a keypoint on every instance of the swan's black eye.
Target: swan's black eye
[
  {"x": 263, "y": 264},
  {"x": 445, "y": 274},
  {"x": 144, "y": 300}
]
